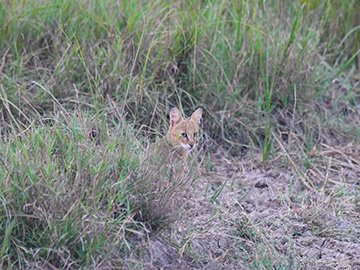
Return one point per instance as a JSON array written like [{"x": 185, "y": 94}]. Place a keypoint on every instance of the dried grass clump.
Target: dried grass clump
[{"x": 158, "y": 192}]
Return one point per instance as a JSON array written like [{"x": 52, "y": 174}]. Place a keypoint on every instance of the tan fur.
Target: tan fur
[{"x": 173, "y": 149}]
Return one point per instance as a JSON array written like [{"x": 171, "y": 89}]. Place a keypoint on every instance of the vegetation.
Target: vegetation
[{"x": 86, "y": 85}]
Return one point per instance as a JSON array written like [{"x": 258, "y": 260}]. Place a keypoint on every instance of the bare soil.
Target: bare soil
[{"x": 241, "y": 215}]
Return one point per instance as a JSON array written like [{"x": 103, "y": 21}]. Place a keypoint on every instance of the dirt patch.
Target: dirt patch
[{"x": 242, "y": 215}]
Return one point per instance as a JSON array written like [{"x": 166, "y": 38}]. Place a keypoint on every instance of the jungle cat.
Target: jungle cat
[{"x": 173, "y": 149}]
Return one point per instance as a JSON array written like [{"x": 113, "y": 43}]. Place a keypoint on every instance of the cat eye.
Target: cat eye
[{"x": 184, "y": 135}]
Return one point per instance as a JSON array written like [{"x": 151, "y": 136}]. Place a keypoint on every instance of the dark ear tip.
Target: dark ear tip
[{"x": 174, "y": 109}]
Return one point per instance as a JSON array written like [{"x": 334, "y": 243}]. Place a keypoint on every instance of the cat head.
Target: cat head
[{"x": 183, "y": 132}]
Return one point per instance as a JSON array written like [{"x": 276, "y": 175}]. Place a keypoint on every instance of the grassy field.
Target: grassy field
[{"x": 86, "y": 85}]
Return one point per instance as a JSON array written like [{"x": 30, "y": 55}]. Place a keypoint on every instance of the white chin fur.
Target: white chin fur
[{"x": 185, "y": 146}]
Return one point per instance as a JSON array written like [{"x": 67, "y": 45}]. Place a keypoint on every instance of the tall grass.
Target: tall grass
[
  {"x": 257, "y": 67},
  {"x": 64, "y": 196}
]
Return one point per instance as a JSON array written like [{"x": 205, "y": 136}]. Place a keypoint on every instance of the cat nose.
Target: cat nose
[{"x": 191, "y": 145}]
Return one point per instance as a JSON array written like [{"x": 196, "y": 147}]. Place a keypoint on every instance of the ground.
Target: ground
[{"x": 242, "y": 215}]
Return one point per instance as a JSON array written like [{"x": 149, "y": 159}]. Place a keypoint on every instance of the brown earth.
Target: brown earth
[{"x": 241, "y": 215}]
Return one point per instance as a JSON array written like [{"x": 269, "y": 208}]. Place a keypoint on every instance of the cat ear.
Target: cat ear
[
  {"x": 175, "y": 117},
  {"x": 197, "y": 115}
]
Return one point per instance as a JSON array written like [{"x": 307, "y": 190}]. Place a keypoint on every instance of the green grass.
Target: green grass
[
  {"x": 116, "y": 67},
  {"x": 63, "y": 195}
]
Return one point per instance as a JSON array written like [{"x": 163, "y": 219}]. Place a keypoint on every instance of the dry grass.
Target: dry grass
[
  {"x": 85, "y": 85},
  {"x": 158, "y": 192},
  {"x": 264, "y": 217}
]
